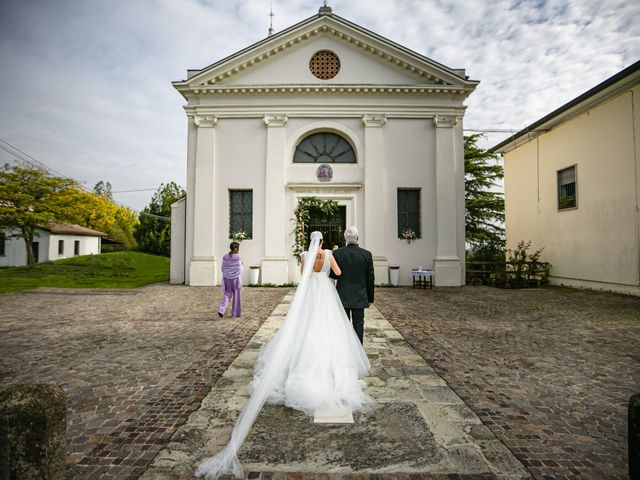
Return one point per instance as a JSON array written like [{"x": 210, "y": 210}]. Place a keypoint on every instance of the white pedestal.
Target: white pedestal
[
  {"x": 448, "y": 272},
  {"x": 381, "y": 270},
  {"x": 275, "y": 271},
  {"x": 254, "y": 275},
  {"x": 203, "y": 272},
  {"x": 394, "y": 276}
]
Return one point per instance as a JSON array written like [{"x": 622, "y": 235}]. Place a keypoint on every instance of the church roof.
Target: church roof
[{"x": 427, "y": 71}]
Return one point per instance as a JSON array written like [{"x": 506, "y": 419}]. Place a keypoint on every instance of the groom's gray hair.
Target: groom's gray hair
[{"x": 351, "y": 235}]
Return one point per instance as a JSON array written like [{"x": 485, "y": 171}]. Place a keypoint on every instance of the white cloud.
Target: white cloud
[{"x": 85, "y": 85}]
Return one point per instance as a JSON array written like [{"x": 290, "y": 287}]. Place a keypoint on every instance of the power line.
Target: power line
[
  {"x": 25, "y": 157},
  {"x": 139, "y": 190}
]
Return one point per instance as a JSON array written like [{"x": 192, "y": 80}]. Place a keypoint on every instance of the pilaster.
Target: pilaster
[
  {"x": 275, "y": 265},
  {"x": 203, "y": 268},
  {"x": 374, "y": 197},
  {"x": 447, "y": 264}
]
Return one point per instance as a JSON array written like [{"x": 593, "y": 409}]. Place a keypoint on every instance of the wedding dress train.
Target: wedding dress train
[{"x": 314, "y": 363}]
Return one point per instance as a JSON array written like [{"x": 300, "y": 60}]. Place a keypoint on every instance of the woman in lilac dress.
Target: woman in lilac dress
[{"x": 231, "y": 282}]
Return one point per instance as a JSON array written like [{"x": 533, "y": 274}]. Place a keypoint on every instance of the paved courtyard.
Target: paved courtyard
[{"x": 549, "y": 372}]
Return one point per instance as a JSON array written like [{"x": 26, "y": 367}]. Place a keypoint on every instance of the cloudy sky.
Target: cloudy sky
[{"x": 85, "y": 84}]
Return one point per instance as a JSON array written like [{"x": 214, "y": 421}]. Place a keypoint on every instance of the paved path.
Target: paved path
[
  {"x": 549, "y": 371},
  {"x": 133, "y": 363},
  {"x": 418, "y": 425}
]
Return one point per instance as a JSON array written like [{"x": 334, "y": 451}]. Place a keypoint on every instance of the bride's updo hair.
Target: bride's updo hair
[{"x": 315, "y": 235}]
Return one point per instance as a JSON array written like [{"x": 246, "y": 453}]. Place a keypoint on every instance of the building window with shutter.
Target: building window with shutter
[
  {"x": 567, "y": 193},
  {"x": 240, "y": 213},
  {"x": 3, "y": 239},
  {"x": 60, "y": 247},
  {"x": 409, "y": 213},
  {"x": 76, "y": 247}
]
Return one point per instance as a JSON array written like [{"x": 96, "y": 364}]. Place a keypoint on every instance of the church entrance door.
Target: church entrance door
[{"x": 331, "y": 226}]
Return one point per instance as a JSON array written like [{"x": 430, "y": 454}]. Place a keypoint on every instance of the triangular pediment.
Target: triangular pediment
[{"x": 365, "y": 59}]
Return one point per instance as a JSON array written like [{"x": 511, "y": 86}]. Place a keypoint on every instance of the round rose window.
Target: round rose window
[{"x": 324, "y": 64}]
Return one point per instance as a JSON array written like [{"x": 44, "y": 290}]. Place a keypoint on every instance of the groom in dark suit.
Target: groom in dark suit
[{"x": 355, "y": 285}]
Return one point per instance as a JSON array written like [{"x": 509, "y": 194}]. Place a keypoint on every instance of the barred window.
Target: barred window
[
  {"x": 2, "y": 244},
  {"x": 60, "y": 247},
  {"x": 76, "y": 247},
  {"x": 241, "y": 212},
  {"x": 409, "y": 212},
  {"x": 567, "y": 197}
]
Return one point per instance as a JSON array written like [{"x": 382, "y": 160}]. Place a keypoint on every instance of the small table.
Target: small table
[{"x": 422, "y": 278}]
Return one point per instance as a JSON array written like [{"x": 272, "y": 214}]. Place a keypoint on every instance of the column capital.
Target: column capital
[
  {"x": 277, "y": 120},
  {"x": 205, "y": 121},
  {"x": 370, "y": 120},
  {"x": 445, "y": 121}
]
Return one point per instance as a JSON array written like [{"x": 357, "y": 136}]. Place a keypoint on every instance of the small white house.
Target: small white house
[{"x": 52, "y": 242}]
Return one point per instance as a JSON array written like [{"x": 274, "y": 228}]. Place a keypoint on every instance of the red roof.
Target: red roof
[{"x": 70, "y": 229}]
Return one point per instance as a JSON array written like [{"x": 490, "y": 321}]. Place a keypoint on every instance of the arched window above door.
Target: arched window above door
[{"x": 324, "y": 147}]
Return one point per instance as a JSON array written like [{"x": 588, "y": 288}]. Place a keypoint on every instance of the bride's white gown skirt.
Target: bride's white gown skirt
[{"x": 326, "y": 360}]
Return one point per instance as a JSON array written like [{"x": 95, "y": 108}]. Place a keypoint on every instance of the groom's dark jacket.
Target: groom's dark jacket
[{"x": 355, "y": 285}]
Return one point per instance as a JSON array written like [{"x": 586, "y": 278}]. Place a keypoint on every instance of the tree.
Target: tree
[
  {"x": 29, "y": 198},
  {"x": 100, "y": 213},
  {"x": 484, "y": 214},
  {"x": 103, "y": 189},
  {"x": 153, "y": 233}
]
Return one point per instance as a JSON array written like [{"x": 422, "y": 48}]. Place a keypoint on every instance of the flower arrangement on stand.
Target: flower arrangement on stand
[
  {"x": 239, "y": 236},
  {"x": 301, "y": 217},
  {"x": 409, "y": 235}
]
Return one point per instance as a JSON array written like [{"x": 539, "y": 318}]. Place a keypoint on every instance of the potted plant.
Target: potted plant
[{"x": 409, "y": 235}]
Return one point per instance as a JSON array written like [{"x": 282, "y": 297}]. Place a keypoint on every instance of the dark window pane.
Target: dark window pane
[
  {"x": 60, "y": 247},
  {"x": 324, "y": 147},
  {"x": 409, "y": 211},
  {"x": 241, "y": 212},
  {"x": 76, "y": 247},
  {"x": 2, "y": 244},
  {"x": 567, "y": 197}
]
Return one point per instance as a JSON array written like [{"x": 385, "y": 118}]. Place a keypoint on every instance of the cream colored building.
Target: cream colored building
[
  {"x": 572, "y": 186},
  {"x": 328, "y": 109}
]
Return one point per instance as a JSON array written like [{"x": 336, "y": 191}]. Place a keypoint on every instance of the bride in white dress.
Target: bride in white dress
[{"x": 314, "y": 363}]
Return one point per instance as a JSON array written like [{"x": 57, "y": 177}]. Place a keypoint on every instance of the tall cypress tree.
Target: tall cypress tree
[{"x": 484, "y": 200}]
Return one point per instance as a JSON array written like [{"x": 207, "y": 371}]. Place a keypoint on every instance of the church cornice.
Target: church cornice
[
  {"x": 356, "y": 111},
  {"x": 306, "y": 89},
  {"x": 432, "y": 74}
]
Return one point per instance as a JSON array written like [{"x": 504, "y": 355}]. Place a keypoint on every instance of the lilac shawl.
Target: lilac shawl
[{"x": 231, "y": 266}]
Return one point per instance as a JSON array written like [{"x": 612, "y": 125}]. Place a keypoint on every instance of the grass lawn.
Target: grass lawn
[{"x": 107, "y": 270}]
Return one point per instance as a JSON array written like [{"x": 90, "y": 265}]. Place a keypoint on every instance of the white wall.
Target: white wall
[
  {"x": 178, "y": 225},
  {"x": 240, "y": 164},
  {"x": 16, "y": 252}
]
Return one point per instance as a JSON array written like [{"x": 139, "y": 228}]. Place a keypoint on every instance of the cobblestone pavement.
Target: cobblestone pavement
[
  {"x": 417, "y": 425},
  {"x": 549, "y": 371},
  {"x": 133, "y": 363}
]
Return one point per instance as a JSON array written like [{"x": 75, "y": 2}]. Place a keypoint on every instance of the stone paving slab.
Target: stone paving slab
[
  {"x": 549, "y": 371},
  {"x": 418, "y": 426},
  {"x": 133, "y": 363}
]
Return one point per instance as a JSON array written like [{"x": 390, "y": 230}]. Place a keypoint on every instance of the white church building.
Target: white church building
[{"x": 326, "y": 109}]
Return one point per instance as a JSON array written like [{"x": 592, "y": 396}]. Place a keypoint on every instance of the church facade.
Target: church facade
[{"x": 323, "y": 109}]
